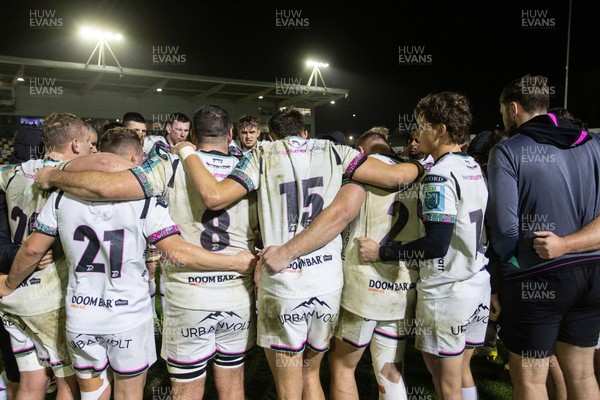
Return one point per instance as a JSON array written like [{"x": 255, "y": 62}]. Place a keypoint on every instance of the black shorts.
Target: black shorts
[{"x": 561, "y": 305}]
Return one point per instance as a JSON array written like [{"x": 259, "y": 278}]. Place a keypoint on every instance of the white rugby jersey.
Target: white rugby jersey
[
  {"x": 104, "y": 243},
  {"x": 44, "y": 290},
  {"x": 454, "y": 191},
  {"x": 227, "y": 231},
  {"x": 378, "y": 290},
  {"x": 296, "y": 178}
]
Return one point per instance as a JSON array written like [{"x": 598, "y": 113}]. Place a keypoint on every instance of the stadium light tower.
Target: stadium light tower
[
  {"x": 102, "y": 37},
  {"x": 316, "y": 73}
]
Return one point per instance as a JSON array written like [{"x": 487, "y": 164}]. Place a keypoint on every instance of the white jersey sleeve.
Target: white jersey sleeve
[{"x": 454, "y": 192}]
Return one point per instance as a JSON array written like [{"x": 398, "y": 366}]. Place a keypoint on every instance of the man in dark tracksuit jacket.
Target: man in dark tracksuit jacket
[{"x": 545, "y": 177}]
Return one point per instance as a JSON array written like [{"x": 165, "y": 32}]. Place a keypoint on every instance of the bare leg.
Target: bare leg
[
  {"x": 343, "y": 360},
  {"x": 287, "y": 373},
  {"x": 528, "y": 376},
  {"x": 597, "y": 365},
  {"x": 555, "y": 383},
  {"x": 191, "y": 390},
  {"x": 313, "y": 390},
  {"x": 12, "y": 388},
  {"x": 229, "y": 382},
  {"x": 67, "y": 388},
  {"x": 447, "y": 372},
  {"x": 467, "y": 376},
  {"x": 129, "y": 387},
  {"x": 33, "y": 384},
  {"x": 578, "y": 368}
]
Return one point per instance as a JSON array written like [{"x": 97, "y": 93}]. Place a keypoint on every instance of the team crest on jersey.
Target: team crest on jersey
[{"x": 434, "y": 197}]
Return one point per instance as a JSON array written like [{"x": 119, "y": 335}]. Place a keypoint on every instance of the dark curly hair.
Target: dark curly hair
[{"x": 449, "y": 108}]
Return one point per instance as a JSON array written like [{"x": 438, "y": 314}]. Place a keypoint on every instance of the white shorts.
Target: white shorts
[
  {"x": 387, "y": 338},
  {"x": 39, "y": 341},
  {"x": 291, "y": 324},
  {"x": 128, "y": 353},
  {"x": 358, "y": 331},
  {"x": 445, "y": 326},
  {"x": 192, "y": 337}
]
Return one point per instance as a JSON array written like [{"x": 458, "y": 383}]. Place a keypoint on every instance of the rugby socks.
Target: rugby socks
[{"x": 470, "y": 393}]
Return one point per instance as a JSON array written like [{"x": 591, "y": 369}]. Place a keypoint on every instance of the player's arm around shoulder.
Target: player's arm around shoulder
[
  {"x": 216, "y": 195},
  {"x": 185, "y": 254},
  {"x": 323, "y": 229},
  {"x": 100, "y": 176},
  {"x": 378, "y": 173}
]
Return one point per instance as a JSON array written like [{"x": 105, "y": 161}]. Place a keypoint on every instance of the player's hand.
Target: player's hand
[
  {"x": 245, "y": 262},
  {"x": 46, "y": 260},
  {"x": 275, "y": 259},
  {"x": 495, "y": 307},
  {"x": 547, "y": 245},
  {"x": 177, "y": 148},
  {"x": 4, "y": 289},
  {"x": 368, "y": 249},
  {"x": 43, "y": 177}
]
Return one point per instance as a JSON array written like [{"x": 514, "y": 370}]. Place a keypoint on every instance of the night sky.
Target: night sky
[{"x": 387, "y": 59}]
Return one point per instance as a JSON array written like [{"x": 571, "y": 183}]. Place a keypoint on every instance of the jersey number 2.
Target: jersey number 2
[
  {"x": 86, "y": 262},
  {"x": 22, "y": 223},
  {"x": 400, "y": 210}
]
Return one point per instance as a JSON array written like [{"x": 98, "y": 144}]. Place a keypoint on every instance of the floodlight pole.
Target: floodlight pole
[
  {"x": 567, "y": 62},
  {"x": 113, "y": 54},
  {"x": 94, "y": 52},
  {"x": 101, "y": 56},
  {"x": 316, "y": 73}
]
